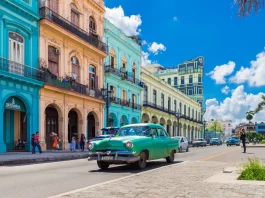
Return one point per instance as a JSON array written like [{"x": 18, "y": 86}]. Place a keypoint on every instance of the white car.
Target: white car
[{"x": 183, "y": 144}]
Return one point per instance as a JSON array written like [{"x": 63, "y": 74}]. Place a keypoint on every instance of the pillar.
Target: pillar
[{"x": 2, "y": 143}]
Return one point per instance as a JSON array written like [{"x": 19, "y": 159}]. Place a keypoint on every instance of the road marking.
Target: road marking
[
  {"x": 218, "y": 154},
  {"x": 114, "y": 180}
]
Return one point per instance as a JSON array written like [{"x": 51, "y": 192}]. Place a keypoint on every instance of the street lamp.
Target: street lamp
[
  {"x": 214, "y": 127},
  {"x": 204, "y": 123},
  {"x": 178, "y": 117},
  {"x": 106, "y": 93}
]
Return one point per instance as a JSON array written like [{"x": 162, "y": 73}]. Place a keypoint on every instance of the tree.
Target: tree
[
  {"x": 218, "y": 127},
  {"x": 261, "y": 105},
  {"x": 245, "y": 7},
  {"x": 249, "y": 115}
]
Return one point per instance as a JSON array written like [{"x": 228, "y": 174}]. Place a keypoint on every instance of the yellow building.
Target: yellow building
[
  {"x": 71, "y": 56},
  {"x": 165, "y": 105}
]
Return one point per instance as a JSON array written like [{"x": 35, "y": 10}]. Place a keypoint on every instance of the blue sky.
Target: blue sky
[{"x": 204, "y": 28}]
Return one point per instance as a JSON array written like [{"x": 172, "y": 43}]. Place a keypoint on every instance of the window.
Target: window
[
  {"x": 134, "y": 70},
  {"x": 180, "y": 107},
  {"x": 124, "y": 95},
  {"x": 92, "y": 77},
  {"x": 196, "y": 115},
  {"x": 184, "y": 110},
  {"x": 162, "y": 101},
  {"x": 113, "y": 92},
  {"x": 176, "y": 81},
  {"x": 192, "y": 113},
  {"x": 154, "y": 132},
  {"x": 189, "y": 111},
  {"x": 75, "y": 69},
  {"x": 169, "y": 103},
  {"x": 134, "y": 100},
  {"x": 74, "y": 15},
  {"x": 92, "y": 25},
  {"x": 112, "y": 58},
  {"x": 169, "y": 81},
  {"x": 154, "y": 97},
  {"x": 162, "y": 132},
  {"x": 53, "y": 5},
  {"x": 199, "y": 78},
  {"x": 145, "y": 94},
  {"x": 190, "y": 79},
  {"x": 190, "y": 92},
  {"x": 182, "y": 80},
  {"x": 200, "y": 91},
  {"x": 16, "y": 53},
  {"x": 163, "y": 79},
  {"x": 175, "y": 106},
  {"x": 53, "y": 60}
]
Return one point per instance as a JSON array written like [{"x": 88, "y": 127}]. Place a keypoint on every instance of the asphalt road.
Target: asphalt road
[{"x": 44, "y": 180}]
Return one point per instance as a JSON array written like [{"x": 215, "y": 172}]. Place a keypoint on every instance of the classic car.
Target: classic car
[
  {"x": 215, "y": 141},
  {"x": 233, "y": 141},
  {"x": 134, "y": 144},
  {"x": 199, "y": 142},
  {"x": 106, "y": 133},
  {"x": 183, "y": 143}
]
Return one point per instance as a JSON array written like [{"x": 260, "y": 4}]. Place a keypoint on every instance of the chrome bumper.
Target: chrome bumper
[{"x": 112, "y": 156}]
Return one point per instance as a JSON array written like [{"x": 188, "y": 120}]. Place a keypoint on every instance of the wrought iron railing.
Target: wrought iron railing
[
  {"x": 125, "y": 103},
  {"x": 47, "y": 13},
  {"x": 20, "y": 69}
]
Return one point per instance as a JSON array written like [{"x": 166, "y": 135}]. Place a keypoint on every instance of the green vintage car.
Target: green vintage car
[{"x": 134, "y": 144}]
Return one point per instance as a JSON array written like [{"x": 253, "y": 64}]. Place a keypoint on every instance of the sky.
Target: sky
[{"x": 174, "y": 31}]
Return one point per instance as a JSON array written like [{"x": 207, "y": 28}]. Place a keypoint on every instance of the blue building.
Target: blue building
[
  {"x": 122, "y": 76},
  {"x": 260, "y": 128},
  {"x": 19, "y": 76}
]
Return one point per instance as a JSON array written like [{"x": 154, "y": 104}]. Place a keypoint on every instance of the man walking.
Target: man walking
[
  {"x": 36, "y": 143},
  {"x": 243, "y": 139}
]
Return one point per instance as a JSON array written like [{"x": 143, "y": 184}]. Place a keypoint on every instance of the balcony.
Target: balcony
[
  {"x": 20, "y": 70},
  {"x": 69, "y": 84},
  {"x": 48, "y": 14},
  {"x": 189, "y": 71},
  {"x": 125, "y": 103},
  {"x": 158, "y": 107},
  {"x": 124, "y": 75}
]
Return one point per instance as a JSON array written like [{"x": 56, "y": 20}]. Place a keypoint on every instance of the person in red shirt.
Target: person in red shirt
[{"x": 36, "y": 143}]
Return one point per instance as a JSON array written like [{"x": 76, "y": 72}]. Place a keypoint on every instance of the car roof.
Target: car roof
[
  {"x": 105, "y": 128},
  {"x": 143, "y": 124}
]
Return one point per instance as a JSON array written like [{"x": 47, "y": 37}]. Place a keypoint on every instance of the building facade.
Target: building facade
[
  {"x": 72, "y": 57},
  {"x": 248, "y": 127},
  {"x": 260, "y": 128},
  {"x": 19, "y": 74},
  {"x": 165, "y": 105},
  {"x": 122, "y": 77}
]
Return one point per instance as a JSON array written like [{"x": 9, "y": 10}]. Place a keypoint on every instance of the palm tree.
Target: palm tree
[
  {"x": 249, "y": 117},
  {"x": 261, "y": 105},
  {"x": 245, "y": 7}
]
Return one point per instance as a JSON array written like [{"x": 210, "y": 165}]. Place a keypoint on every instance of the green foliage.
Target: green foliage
[
  {"x": 263, "y": 142},
  {"x": 253, "y": 170},
  {"x": 245, "y": 7},
  {"x": 249, "y": 115},
  {"x": 218, "y": 127},
  {"x": 261, "y": 105},
  {"x": 252, "y": 135}
]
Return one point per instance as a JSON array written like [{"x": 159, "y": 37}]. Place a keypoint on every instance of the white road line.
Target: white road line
[{"x": 115, "y": 180}]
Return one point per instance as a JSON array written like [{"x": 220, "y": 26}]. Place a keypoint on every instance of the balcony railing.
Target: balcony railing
[
  {"x": 188, "y": 71},
  {"x": 124, "y": 75},
  {"x": 20, "y": 69},
  {"x": 46, "y": 13},
  {"x": 125, "y": 103}
]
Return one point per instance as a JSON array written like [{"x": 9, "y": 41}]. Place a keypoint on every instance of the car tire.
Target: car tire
[
  {"x": 141, "y": 164},
  {"x": 180, "y": 149},
  {"x": 102, "y": 165},
  {"x": 170, "y": 159},
  {"x": 187, "y": 150}
]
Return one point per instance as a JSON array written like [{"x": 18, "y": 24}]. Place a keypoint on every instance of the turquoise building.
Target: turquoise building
[
  {"x": 19, "y": 76},
  {"x": 122, "y": 77}
]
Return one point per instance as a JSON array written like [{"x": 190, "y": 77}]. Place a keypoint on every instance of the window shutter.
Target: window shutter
[
  {"x": 96, "y": 82},
  {"x": 90, "y": 81}
]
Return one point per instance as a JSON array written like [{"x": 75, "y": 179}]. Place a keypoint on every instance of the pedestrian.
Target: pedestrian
[
  {"x": 243, "y": 139},
  {"x": 73, "y": 144},
  {"x": 32, "y": 143},
  {"x": 82, "y": 142},
  {"x": 36, "y": 143},
  {"x": 55, "y": 142}
]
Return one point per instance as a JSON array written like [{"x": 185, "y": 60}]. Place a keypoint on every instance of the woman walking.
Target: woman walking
[
  {"x": 55, "y": 142},
  {"x": 82, "y": 142},
  {"x": 73, "y": 144}
]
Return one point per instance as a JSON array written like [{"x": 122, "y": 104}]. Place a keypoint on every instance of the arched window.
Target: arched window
[
  {"x": 134, "y": 70},
  {"x": 123, "y": 64},
  {"x": 112, "y": 58},
  {"x": 75, "y": 69},
  {"x": 74, "y": 15},
  {"x": 124, "y": 95},
  {"x": 16, "y": 53},
  {"x": 134, "y": 101},
  {"x": 92, "y": 25},
  {"x": 145, "y": 94},
  {"x": 93, "y": 79},
  {"x": 53, "y": 5},
  {"x": 53, "y": 60}
]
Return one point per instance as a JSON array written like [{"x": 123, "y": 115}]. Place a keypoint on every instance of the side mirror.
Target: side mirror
[{"x": 152, "y": 135}]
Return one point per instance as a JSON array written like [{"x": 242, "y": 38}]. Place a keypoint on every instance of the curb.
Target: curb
[
  {"x": 42, "y": 160},
  {"x": 260, "y": 146}
]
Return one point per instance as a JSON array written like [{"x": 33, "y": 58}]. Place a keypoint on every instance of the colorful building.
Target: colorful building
[
  {"x": 122, "y": 77},
  {"x": 260, "y": 128},
  {"x": 19, "y": 76},
  {"x": 72, "y": 57},
  {"x": 165, "y": 105}
]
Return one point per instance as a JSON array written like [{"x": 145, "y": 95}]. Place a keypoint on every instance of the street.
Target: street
[{"x": 48, "y": 179}]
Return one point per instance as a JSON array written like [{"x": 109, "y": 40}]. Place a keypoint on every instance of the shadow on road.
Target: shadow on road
[{"x": 129, "y": 168}]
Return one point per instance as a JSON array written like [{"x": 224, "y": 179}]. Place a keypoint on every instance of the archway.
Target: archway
[
  {"x": 145, "y": 118},
  {"x": 91, "y": 126},
  {"x": 154, "y": 119},
  {"x": 51, "y": 123},
  {"x": 15, "y": 122},
  {"x": 169, "y": 127},
  {"x": 134, "y": 120},
  {"x": 185, "y": 131},
  {"x": 189, "y": 133},
  {"x": 180, "y": 132},
  {"x": 162, "y": 122},
  {"x": 113, "y": 122},
  {"x": 123, "y": 120},
  {"x": 193, "y": 135},
  {"x": 175, "y": 125},
  {"x": 72, "y": 125}
]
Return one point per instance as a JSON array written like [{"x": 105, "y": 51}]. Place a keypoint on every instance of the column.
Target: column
[
  {"x": 29, "y": 131},
  {"x": 2, "y": 144},
  {"x": 42, "y": 125},
  {"x": 171, "y": 130}
]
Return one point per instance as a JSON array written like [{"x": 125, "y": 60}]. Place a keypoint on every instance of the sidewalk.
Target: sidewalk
[
  {"x": 182, "y": 180},
  {"x": 15, "y": 158},
  {"x": 251, "y": 145}
]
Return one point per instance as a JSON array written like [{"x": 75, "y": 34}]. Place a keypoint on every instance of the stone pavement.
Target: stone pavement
[
  {"x": 181, "y": 180},
  {"x": 251, "y": 145},
  {"x": 15, "y": 158}
]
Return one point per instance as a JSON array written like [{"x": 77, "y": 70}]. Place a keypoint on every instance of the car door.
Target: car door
[
  {"x": 183, "y": 143},
  {"x": 165, "y": 141},
  {"x": 157, "y": 145}
]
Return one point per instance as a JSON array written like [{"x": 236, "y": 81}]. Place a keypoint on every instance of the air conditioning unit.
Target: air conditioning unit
[{"x": 57, "y": 52}]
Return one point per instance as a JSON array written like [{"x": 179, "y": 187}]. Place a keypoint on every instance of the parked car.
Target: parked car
[
  {"x": 215, "y": 141},
  {"x": 183, "y": 143},
  {"x": 247, "y": 141},
  {"x": 134, "y": 144},
  {"x": 233, "y": 141},
  {"x": 199, "y": 142},
  {"x": 106, "y": 133}
]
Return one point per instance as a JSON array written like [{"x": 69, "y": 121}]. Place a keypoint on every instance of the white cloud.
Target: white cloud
[
  {"x": 220, "y": 72},
  {"x": 175, "y": 18},
  {"x": 254, "y": 75},
  {"x": 234, "y": 107},
  {"x": 145, "y": 59},
  {"x": 144, "y": 42},
  {"x": 225, "y": 90},
  {"x": 155, "y": 48},
  {"x": 128, "y": 24}
]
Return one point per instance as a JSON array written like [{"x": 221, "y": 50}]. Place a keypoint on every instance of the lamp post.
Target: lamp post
[
  {"x": 204, "y": 123},
  {"x": 106, "y": 96},
  {"x": 178, "y": 117},
  {"x": 214, "y": 127}
]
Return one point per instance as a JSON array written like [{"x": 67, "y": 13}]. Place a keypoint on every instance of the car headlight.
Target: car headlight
[
  {"x": 129, "y": 144},
  {"x": 90, "y": 145}
]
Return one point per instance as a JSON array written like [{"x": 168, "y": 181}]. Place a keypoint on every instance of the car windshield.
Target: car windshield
[
  {"x": 109, "y": 131},
  {"x": 134, "y": 131}
]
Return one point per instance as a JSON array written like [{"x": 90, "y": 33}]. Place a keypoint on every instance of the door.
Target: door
[
  {"x": 157, "y": 145},
  {"x": 165, "y": 142}
]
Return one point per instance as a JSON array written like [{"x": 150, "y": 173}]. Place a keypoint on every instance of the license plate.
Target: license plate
[{"x": 107, "y": 158}]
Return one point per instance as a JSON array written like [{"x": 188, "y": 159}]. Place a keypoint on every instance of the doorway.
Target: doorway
[
  {"x": 72, "y": 125},
  {"x": 51, "y": 125},
  {"x": 91, "y": 122}
]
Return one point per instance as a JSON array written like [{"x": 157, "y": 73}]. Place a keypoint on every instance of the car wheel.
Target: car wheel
[
  {"x": 227, "y": 145},
  {"x": 180, "y": 149},
  {"x": 141, "y": 164},
  {"x": 170, "y": 159},
  {"x": 103, "y": 165},
  {"x": 187, "y": 150}
]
